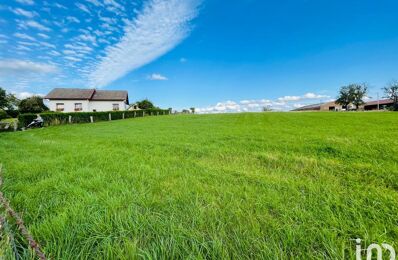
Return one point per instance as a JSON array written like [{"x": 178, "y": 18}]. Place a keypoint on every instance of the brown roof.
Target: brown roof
[
  {"x": 70, "y": 93},
  {"x": 87, "y": 94},
  {"x": 110, "y": 95},
  {"x": 381, "y": 102}
]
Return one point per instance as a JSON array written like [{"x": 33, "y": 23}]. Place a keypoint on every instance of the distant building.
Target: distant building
[
  {"x": 86, "y": 100},
  {"x": 381, "y": 104},
  {"x": 134, "y": 107},
  {"x": 329, "y": 106},
  {"x": 332, "y": 106}
]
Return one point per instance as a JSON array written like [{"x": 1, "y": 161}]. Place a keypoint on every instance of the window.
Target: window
[
  {"x": 59, "y": 107},
  {"x": 78, "y": 107},
  {"x": 115, "y": 107}
]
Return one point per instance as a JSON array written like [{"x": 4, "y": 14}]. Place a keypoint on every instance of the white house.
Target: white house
[{"x": 86, "y": 100}]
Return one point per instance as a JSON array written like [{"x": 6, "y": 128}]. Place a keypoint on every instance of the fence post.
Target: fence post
[
  {"x": 91, "y": 119},
  {"x": 70, "y": 119},
  {"x": 157, "y": 113},
  {"x": 123, "y": 115},
  {"x": 15, "y": 125},
  {"x": 110, "y": 117},
  {"x": 134, "y": 114},
  {"x": 143, "y": 113}
]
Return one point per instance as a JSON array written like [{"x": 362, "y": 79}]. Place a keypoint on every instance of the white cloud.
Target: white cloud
[
  {"x": 161, "y": 26},
  {"x": 24, "y": 66},
  {"x": 94, "y": 2},
  {"x": 26, "y": 2},
  {"x": 156, "y": 76},
  {"x": 303, "y": 97},
  {"x": 44, "y": 36},
  {"x": 35, "y": 25},
  {"x": 256, "y": 105},
  {"x": 23, "y": 95},
  {"x": 22, "y": 12},
  {"x": 83, "y": 8},
  {"x": 71, "y": 58},
  {"x": 60, "y": 6},
  {"x": 72, "y": 19},
  {"x": 24, "y": 36}
]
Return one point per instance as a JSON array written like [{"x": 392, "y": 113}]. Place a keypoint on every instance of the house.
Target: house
[
  {"x": 134, "y": 107},
  {"x": 86, "y": 100}
]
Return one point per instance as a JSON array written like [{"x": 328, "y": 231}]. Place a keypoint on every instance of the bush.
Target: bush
[
  {"x": 12, "y": 113},
  {"x": 51, "y": 118},
  {"x": 3, "y": 114}
]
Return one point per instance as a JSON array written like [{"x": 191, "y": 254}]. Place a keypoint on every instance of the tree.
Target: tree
[
  {"x": 3, "y": 99},
  {"x": 267, "y": 109},
  {"x": 358, "y": 93},
  {"x": 391, "y": 92},
  {"x": 352, "y": 94},
  {"x": 344, "y": 98},
  {"x": 145, "y": 104},
  {"x": 192, "y": 110},
  {"x": 32, "y": 105},
  {"x": 8, "y": 101}
]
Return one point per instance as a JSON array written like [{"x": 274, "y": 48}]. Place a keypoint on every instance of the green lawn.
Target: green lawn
[{"x": 271, "y": 185}]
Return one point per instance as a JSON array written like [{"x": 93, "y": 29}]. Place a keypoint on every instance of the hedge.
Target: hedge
[{"x": 51, "y": 118}]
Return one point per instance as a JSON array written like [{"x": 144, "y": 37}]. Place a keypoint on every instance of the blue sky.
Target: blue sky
[{"x": 215, "y": 55}]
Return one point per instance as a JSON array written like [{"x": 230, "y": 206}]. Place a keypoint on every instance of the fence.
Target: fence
[{"x": 87, "y": 117}]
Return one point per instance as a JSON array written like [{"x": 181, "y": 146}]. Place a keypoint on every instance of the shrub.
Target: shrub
[
  {"x": 51, "y": 118},
  {"x": 3, "y": 114},
  {"x": 12, "y": 113}
]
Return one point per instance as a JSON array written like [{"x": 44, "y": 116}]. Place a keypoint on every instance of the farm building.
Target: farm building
[
  {"x": 329, "y": 106},
  {"x": 332, "y": 106},
  {"x": 378, "y": 104},
  {"x": 86, "y": 100}
]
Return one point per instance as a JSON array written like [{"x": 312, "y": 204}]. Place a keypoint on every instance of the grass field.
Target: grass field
[{"x": 270, "y": 185}]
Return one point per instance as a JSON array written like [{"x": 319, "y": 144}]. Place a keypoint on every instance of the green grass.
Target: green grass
[{"x": 271, "y": 185}]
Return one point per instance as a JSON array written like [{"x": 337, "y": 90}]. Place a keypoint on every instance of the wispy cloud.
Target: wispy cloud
[
  {"x": 23, "y": 66},
  {"x": 83, "y": 8},
  {"x": 24, "y": 94},
  {"x": 26, "y": 2},
  {"x": 156, "y": 76},
  {"x": 33, "y": 24},
  {"x": 22, "y": 12},
  {"x": 24, "y": 36},
  {"x": 303, "y": 97},
  {"x": 161, "y": 26}
]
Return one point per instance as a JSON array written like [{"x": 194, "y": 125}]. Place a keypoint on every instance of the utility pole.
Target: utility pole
[{"x": 378, "y": 102}]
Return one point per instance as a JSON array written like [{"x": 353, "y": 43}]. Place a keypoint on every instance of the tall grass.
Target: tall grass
[{"x": 272, "y": 185}]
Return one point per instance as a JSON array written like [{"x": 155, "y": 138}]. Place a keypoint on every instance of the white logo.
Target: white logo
[{"x": 371, "y": 248}]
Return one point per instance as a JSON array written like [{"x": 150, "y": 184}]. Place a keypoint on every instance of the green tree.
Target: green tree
[
  {"x": 391, "y": 92},
  {"x": 32, "y": 105},
  {"x": 358, "y": 93},
  {"x": 145, "y": 104},
  {"x": 192, "y": 110},
  {"x": 3, "y": 99},
  {"x": 344, "y": 97},
  {"x": 8, "y": 101},
  {"x": 352, "y": 94}
]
